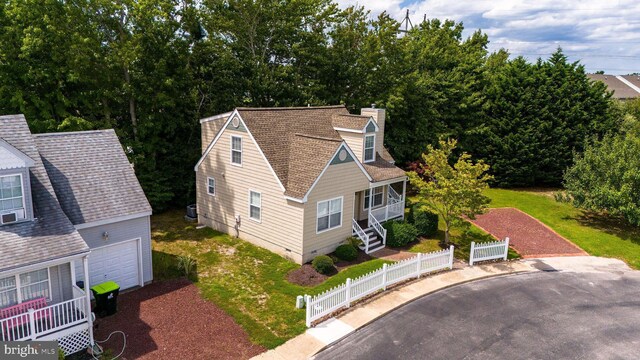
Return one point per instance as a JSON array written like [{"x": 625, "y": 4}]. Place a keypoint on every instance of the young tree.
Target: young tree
[
  {"x": 452, "y": 191},
  {"x": 607, "y": 176}
]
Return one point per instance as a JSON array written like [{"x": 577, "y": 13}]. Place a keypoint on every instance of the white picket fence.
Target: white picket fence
[
  {"x": 488, "y": 251},
  {"x": 343, "y": 295}
]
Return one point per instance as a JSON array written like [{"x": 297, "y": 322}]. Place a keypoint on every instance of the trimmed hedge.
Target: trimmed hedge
[
  {"x": 424, "y": 220},
  {"x": 346, "y": 252},
  {"x": 323, "y": 264},
  {"x": 400, "y": 233}
]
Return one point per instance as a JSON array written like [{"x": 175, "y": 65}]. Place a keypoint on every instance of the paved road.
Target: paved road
[{"x": 542, "y": 315}]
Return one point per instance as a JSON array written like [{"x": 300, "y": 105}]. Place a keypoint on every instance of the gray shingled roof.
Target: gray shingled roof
[
  {"x": 304, "y": 166},
  {"x": 619, "y": 88},
  {"x": 52, "y": 235},
  {"x": 355, "y": 122},
  {"x": 381, "y": 169},
  {"x": 91, "y": 175}
]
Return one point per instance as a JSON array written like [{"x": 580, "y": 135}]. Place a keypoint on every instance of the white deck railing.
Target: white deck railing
[
  {"x": 343, "y": 295},
  {"x": 391, "y": 211},
  {"x": 488, "y": 251},
  {"x": 35, "y": 323}
]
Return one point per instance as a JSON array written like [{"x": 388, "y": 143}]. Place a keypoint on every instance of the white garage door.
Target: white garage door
[{"x": 118, "y": 263}]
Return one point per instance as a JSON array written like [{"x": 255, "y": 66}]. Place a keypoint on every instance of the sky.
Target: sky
[{"x": 603, "y": 35}]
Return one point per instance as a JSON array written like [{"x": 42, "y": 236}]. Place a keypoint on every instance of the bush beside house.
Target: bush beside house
[
  {"x": 425, "y": 221},
  {"x": 400, "y": 233},
  {"x": 346, "y": 252},
  {"x": 323, "y": 264}
]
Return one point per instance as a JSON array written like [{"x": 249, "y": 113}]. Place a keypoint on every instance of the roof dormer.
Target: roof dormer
[
  {"x": 14, "y": 184},
  {"x": 360, "y": 132}
]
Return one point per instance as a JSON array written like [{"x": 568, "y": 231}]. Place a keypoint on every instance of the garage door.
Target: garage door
[{"x": 118, "y": 263}]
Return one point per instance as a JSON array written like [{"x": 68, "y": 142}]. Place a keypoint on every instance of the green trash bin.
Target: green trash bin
[{"x": 106, "y": 295}]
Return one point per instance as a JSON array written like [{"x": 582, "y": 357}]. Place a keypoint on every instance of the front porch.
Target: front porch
[
  {"x": 43, "y": 303},
  {"x": 373, "y": 207}
]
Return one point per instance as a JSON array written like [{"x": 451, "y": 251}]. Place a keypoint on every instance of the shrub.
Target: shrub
[
  {"x": 425, "y": 221},
  {"x": 354, "y": 241},
  {"x": 400, "y": 233},
  {"x": 346, "y": 252},
  {"x": 323, "y": 264}
]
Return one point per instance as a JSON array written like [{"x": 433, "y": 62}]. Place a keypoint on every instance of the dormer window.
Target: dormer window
[
  {"x": 369, "y": 148},
  {"x": 11, "y": 199}
]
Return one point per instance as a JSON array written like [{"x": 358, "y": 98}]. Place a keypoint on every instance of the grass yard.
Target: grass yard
[
  {"x": 248, "y": 282},
  {"x": 461, "y": 238},
  {"x": 598, "y": 235}
]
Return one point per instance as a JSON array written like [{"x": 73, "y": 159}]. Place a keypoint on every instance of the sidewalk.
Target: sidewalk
[{"x": 320, "y": 336}]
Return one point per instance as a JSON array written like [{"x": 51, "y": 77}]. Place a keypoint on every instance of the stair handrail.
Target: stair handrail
[
  {"x": 393, "y": 196},
  {"x": 378, "y": 227},
  {"x": 362, "y": 235}
]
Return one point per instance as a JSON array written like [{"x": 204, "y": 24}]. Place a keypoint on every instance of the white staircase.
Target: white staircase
[{"x": 375, "y": 243}]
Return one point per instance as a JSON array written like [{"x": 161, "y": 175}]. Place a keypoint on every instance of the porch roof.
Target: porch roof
[
  {"x": 382, "y": 169},
  {"x": 50, "y": 235}
]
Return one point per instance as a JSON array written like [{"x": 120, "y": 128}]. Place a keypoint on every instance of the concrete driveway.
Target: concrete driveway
[{"x": 542, "y": 315}]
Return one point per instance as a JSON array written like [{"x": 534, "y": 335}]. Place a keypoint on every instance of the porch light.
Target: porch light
[{"x": 105, "y": 236}]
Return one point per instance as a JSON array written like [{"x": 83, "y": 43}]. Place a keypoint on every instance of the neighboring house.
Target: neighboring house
[
  {"x": 70, "y": 209},
  {"x": 625, "y": 87},
  {"x": 298, "y": 181}
]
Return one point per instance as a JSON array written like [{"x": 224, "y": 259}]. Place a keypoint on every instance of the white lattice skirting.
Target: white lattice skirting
[{"x": 71, "y": 340}]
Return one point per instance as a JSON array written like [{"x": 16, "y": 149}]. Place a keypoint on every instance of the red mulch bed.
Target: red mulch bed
[
  {"x": 306, "y": 275},
  {"x": 528, "y": 236},
  {"x": 170, "y": 320}
]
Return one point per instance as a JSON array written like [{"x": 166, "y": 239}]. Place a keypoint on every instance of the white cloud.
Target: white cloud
[{"x": 603, "y": 35}]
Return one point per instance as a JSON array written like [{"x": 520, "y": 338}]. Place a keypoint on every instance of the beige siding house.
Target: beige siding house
[{"x": 298, "y": 181}]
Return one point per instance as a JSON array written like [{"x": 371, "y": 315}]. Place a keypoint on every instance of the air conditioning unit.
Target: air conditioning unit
[{"x": 8, "y": 218}]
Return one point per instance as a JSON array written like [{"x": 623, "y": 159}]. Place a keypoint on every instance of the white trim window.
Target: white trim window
[
  {"x": 369, "y": 148},
  {"x": 31, "y": 285},
  {"x": 11, "y": 194},
  {"x": 255, "y": 205},
  {"x": 236, "y": 150},
  {"x": 329, "y": 214},
  {"x": 378, "y": 197},
  {"x": 211, "y": 186}
]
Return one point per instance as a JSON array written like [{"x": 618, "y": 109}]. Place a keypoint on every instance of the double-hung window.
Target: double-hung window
[
  {"x": 236, "y": 150},
  {"x": 11, "y": 196},
  {"x": 378, "y": 196},
  {"x": 18, "y": 288},
  {"x": 369, "y": 148},
  {"x": 211, "y": 186},
  {"x": 255, "y": 205},
  {"x": 329, "y": 214}
]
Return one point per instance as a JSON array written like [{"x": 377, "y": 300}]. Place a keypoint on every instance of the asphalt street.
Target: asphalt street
[{"x": 542, "y": 315}]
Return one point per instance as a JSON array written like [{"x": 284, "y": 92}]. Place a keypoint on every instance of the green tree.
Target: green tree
[
  {"x": 536, "y": 117},
  {"x": 451, "y": 191},
  {"x": 606, "y": 177}
]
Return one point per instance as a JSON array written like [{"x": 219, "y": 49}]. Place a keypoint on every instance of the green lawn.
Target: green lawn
[
  {"x": 596, "y": 234},
  {"x": 461, "y": 237},
  {"x": 248, "y": 282}
]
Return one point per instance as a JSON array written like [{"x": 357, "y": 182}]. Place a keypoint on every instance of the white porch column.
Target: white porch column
[
  {"x": 370, "y": 204},
  {"x": 404, "y": 188},
  {"x": 85, "y": 267}
]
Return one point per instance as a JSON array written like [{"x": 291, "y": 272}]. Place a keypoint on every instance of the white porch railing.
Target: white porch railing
[
  {"x": 393, "y": 196},
  {"x": 378, "y": 227},
  {"x": 488, "y": 251},
  {"x": 36, "y": 323},
  {"x": 357, "y": 230},
  {"x": 391, "y": 211},
  {"x": 343, "y": 295}
]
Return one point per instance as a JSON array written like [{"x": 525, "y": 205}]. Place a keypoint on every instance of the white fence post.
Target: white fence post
[
  {"x": 384, "y": 276},
  {"x": 450, "y": 257},
  {"x": 307, "y": 304},
  {"x": 506, "y": 248},
  {"x": 32, "y": 324},
  {"x": 473, "y": 245},
  {"x": 419, "y": 265},
  {"x": 347, "y": 295}
]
